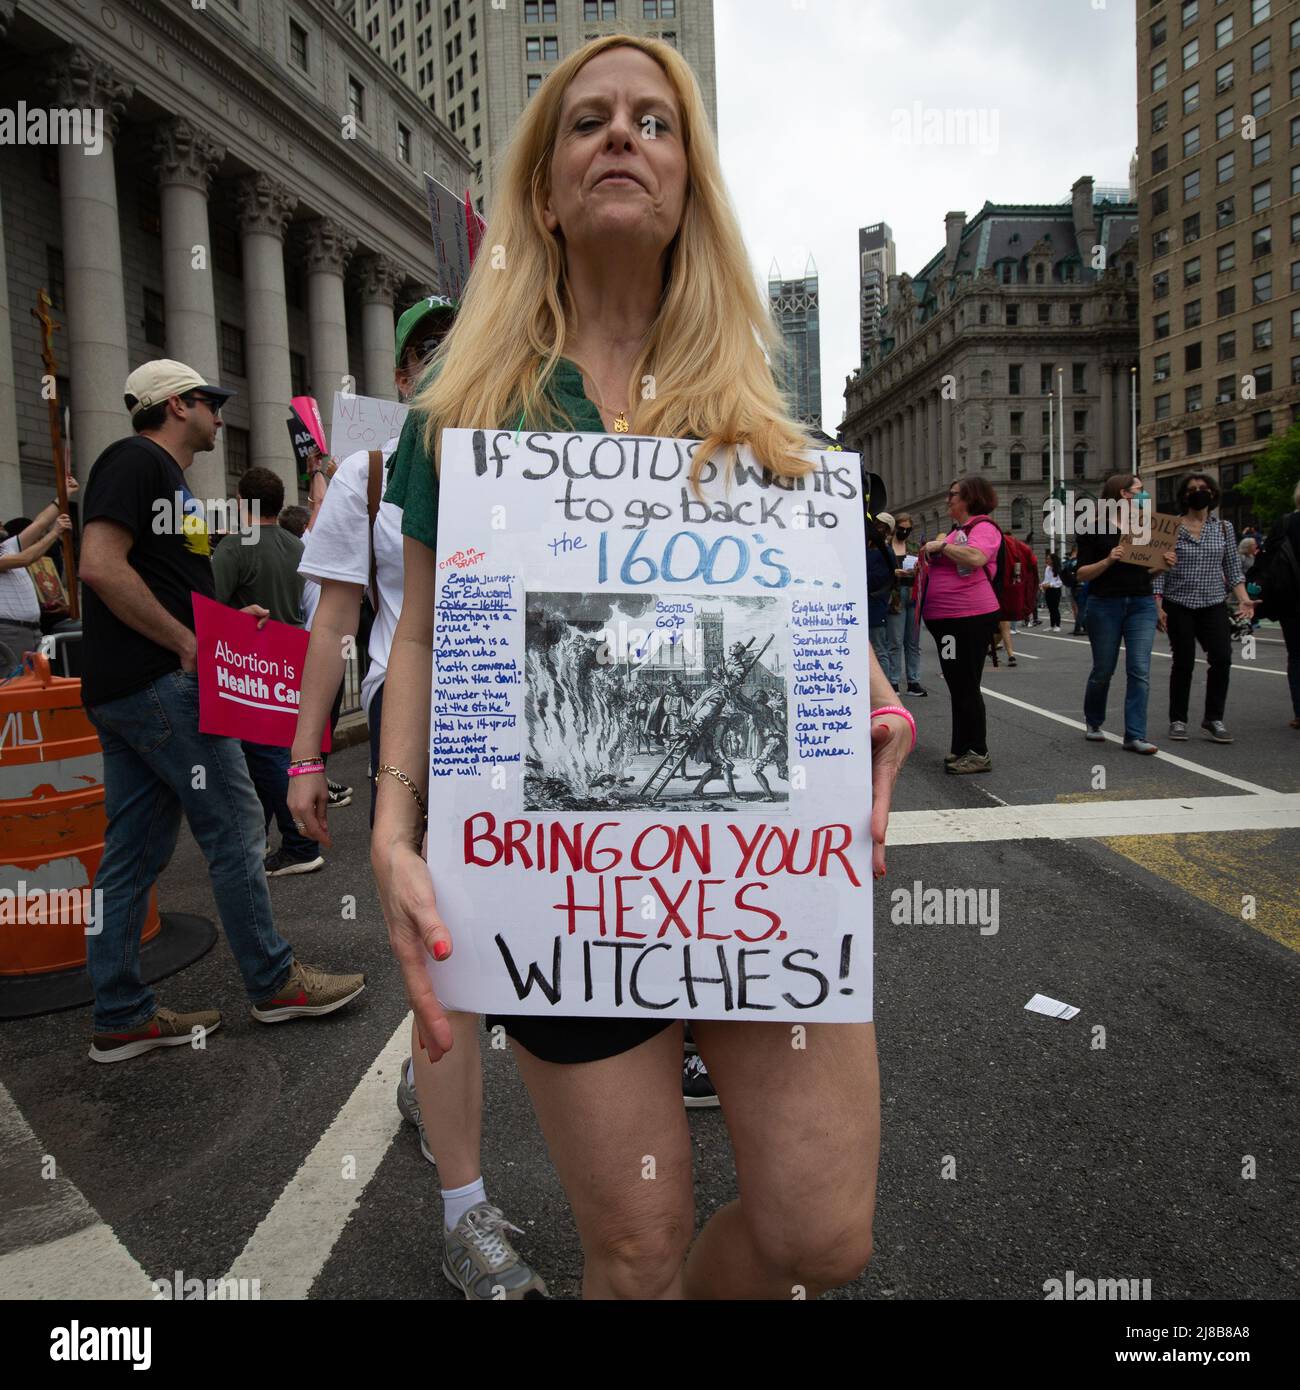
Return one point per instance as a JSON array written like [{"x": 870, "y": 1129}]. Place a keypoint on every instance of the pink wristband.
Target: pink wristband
[
  {"x": 306, "y": 769},
  {"x": 899, "y": 710}
]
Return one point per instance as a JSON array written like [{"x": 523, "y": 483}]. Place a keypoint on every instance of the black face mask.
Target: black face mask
[
  {"x": 1199, "y": 498},
  {"x": 903, "y": 532}
]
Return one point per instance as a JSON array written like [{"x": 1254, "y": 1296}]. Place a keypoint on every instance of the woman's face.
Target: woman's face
[
  {"x": 618, "y": 168},
  {"x": 956, "y": 504}
]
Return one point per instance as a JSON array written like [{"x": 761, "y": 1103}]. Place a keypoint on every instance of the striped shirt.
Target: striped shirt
[{"x": 1207, "y": 568}]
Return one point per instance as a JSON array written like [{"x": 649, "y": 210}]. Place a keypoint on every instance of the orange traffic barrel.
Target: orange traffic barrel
[{"x": 52, "y": 824}]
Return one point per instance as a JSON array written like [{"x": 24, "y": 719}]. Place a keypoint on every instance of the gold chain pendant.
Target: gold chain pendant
[{"x": 621, "y": 425}]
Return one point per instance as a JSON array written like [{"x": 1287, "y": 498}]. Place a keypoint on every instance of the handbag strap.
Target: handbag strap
[{"x": 374, "y": 481}]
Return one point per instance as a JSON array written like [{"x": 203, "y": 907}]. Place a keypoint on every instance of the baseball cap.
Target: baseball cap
[
  {"x": 163, "y": 378},
  {"x": 884, "y": 519},
  {"x": 416, "y": 314}
]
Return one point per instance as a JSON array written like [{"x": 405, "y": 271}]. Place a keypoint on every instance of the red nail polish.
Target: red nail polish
[{"x": 441, "y": 950}]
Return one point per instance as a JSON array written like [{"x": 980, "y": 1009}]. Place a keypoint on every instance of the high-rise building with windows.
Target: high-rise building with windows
[
  {"x": 477, "y": 64},
  {"x": 797, "y": 311},
  {"x": 1219, "y": 193},
  {"x": 876, "y": 263}
]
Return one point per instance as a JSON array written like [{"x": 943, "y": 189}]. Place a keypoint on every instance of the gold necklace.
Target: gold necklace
[{"x": 621, "y": 425}]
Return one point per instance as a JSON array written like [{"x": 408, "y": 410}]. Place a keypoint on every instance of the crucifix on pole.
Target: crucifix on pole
[{"x": 42, "y": 315}]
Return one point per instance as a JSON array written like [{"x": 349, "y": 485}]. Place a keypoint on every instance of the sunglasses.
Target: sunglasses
[{"x": 198, "y": 399}]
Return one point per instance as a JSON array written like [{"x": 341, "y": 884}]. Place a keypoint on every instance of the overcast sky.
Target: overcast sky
[{"x": 813, "y": 146}]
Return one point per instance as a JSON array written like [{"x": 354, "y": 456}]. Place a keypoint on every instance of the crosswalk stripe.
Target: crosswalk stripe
[{"x": 1240, "y": 664}]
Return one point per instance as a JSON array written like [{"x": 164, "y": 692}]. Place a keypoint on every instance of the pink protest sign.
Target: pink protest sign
[
  {"x": 249, "y": 681},
  {"x": 306, "y": 409}
]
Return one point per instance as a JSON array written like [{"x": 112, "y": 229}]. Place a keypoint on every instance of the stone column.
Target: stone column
[
  {"x": 1123, "y": 417},
  {"x": 326, "y": 248},
  {"x": 930, "y": 473},
  {"x": 947, "y": 454},
  {"x": 187, "y": 158},
  {"x": 11, "y": 491},
  {"x": 94, "y": 292},
  {"x": 378, "y": 281},
  {"x": 1107, "y": 434},
  {"x": 264, "y": 208}
]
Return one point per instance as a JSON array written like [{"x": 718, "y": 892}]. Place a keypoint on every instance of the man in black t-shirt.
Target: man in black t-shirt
[{"x": 145, "y": 552}]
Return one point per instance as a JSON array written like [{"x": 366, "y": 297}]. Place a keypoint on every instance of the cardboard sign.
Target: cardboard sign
[
  {"x": 457, "y": 230},
  {"x": 649, "y": 747},
  {"x": 306, "y": 409},
  {"x": 1164, "y": 536},
  {"x": 249, "y": 681},
  {"x": 363, "y": 422}
]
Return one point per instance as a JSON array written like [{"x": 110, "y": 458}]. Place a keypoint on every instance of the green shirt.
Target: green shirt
[
  {"x": 265, "y": 572},
  {"x": 414, "y": 484}
]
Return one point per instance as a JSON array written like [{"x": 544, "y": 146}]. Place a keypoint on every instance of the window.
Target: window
[
  {"x": 1191, "y": 53},
  {"x": 1081, "y": 422},
  {"x": 533, "y": 50},
  {"x": 1261, "y": 242},
  {"x": 1261, "y": 101},
  {"x": 1040, "y": 271},
  {"x": 1160, "y": 325},
  {"x": 1225, "y": 256},
  {"x": 1159, "y": 75},
  {"x": 1162, "y": 407},
  {"x": 1017, "y": 422},
  {"x": 1226, "y": 301},
  {"x": 1227, "y": 346},
  {"x": 1013, "y": 315},
  {"x": 297, "y": 45},
  {"x": 473, "y": 64},
  {"x": 1007, "y": 272},
  {"x": 155, "y": 319},
  {"x": 1227, "y": 433},
  {"x": 1044, "y": 462},
  {"x": 1295, "y": 227},
  {"x": 1295, "y": 131},
  {"x": 1192, "y": 399},
  {"x": 403, "y": 143},
  {"x": 1295, "y": 371},
  {"x": 1261, "y": 288},
  {"x": 1259, "y": 56},
  {"x": 1076, "y": 315},
  {"x": 1045, "y": 424},
  {"x": 1191, "y": 228},
  {"x": 1192, "y": 446},
  {"x": 1192, "y": 314},
  {"x": 1160, "y": 160},
  {"x": 1192, "y": 357},
  {"x": 1224, "y": 389},
  {"x": 1045, "y": 370},
  {"x": 1223, "y": 33},
  {"x": 1044, "y": 313},
  {"x": 236, "y": 441},
  {"x": 1013, "y": 379},
  {"x": 1162, "y": 448},
  {"x": 1159, "y": 117},
  {"x": 1263, "y": 378},
  {"x": 1160, "y": 371},
  {"x": 1263, "y": 424},
  {"x": 1079, "y": 378},
  {"x": 1261, "y": 333},
  {"x": 1223, "y": 167},
  {"x": 1160, "y": 242},
  {"x": 1223, "y": 123},
  {"x": 984, "y": 313},
  {"x": 1295, "y": 276},
  {"x": 1295, "y": 323},
  {"x": 1223, "y": 77},
  {"x": 232, "y": 350},
  {"x": 1016, "y": 465},
  {"x": 1295, "y": 83},
  {"x": 551, "y": 49},
  {"x": 1295, "y": 179},
  {"x": 478, "y": 138},
  {"x": 1225, "y": 213},
  {"x": 1259, "y": 10},
  {"x": 357, "y": 100},
  {"x": 1191, "y": 97},
  {"x": 1261, "y": 196},
  {"x": 298, "y": 373},
  {"x": 1158, "y": 33},
  {"x": 1191, "y": 185},
  {"x": 988, "y": 459},
  {"x": 473, "y": 100},
  {"x": 1192, "y": 271},
  {"x": 1260, "y": 149},
  {"x": 1191, "y": 9},
  {"x": 534, "y": 82},
  {"x": 1080, "y": 462},
  {"x": 1191, "y": 141}
]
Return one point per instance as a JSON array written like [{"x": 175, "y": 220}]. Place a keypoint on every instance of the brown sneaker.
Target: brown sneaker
[
  {"x": 971, "y": 762},
  {"x": 166, "y": 1028},
  {"x": 308, "y": 992}
]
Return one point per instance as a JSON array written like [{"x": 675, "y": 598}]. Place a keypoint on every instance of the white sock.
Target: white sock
[
  {"x": 410, "y": 1071},
  {"x": 458, "y": 1200}
]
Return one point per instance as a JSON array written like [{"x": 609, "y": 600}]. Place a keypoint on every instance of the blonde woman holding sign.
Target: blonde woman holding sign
[{"x": 623, "y": 264}]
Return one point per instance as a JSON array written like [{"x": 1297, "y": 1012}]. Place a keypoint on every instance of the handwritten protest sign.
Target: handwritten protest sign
[
  {"x": 649, "y": 746},
  {"x": 1164, "y": 536},
  {"x": 363, "y": 422},
  {"x": 249, "y": 681}
]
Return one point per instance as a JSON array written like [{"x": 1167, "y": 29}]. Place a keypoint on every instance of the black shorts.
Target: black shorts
[{"x": 569, "y": 1040}]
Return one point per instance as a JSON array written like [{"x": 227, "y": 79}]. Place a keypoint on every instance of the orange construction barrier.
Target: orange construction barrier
[{"x": 51, "y": 824}]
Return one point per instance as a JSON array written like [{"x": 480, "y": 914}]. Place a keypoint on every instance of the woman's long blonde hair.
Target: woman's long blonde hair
[{"x": 705, "y": 350}]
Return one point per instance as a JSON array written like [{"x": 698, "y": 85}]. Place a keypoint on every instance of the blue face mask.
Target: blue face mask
[{"x": 1143, "y": 496}]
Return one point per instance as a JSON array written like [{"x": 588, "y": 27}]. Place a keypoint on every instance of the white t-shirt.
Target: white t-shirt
[
  {"x": 310, "y": 598},
  {"x": 1051, "y": 580},
  {"x": 336, "y": 548},
  {"x": 18, "y": 601}
]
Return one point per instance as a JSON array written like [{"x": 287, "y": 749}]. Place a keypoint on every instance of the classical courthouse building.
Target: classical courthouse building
[
  {"x": 970, "y": 345},
  {"x": 256, "y": 210}
]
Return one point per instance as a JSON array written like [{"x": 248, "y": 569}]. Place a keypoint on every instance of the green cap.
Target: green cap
[{"x": 416, "y": 314}]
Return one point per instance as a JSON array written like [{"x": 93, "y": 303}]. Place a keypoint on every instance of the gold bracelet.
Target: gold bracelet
[{"x": 408, "y": 784}]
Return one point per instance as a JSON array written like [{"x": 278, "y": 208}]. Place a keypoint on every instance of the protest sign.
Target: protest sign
[
  {"x": 306, "y": 409},
  {"x": 363, "y": 422},
  {"x": 457, "y": 229},
  {"x": 249, "y": 681},
  {"x": 1164, "y": 536},
  {"x": 301, "y": 438},
  {"x": 649, "y": 789}
]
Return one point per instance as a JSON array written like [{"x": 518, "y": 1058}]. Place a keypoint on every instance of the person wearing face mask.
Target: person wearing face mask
[
  {"x": 1191, "y": 606},
  {"x": 880, "y": 591},
  {"x": 904, "y": 631},
  {"x": 1120, "y": 607}
]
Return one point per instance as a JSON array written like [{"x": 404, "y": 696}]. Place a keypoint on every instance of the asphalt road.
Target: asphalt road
[{"x": 1117, "y": 1161}]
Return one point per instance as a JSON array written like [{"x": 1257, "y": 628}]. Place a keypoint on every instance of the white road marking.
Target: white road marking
[
  {"x": 1239, "y": 664},
  {"x": 86, "y": 1260},
  {"x": 1212, "y": 773},
  {"x": 1097, "y": 819},
  {"x": 290, "y": 1246}
]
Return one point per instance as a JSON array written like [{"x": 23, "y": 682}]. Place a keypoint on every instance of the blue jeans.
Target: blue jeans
[
  {"x": 153, "y": 756},
  {"x": 268, "y": 766},
  {"x": 1109, "y": 620},
  {"x": 905, "y": 643},
  {"x": 880, "y": 644}
]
